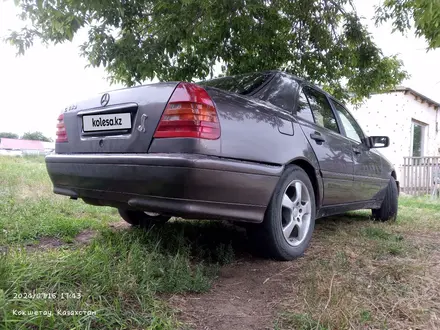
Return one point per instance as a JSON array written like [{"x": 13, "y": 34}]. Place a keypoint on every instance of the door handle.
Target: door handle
[
  {"x": 317, "y": 137},
  {"x": 356, "y": 150}
]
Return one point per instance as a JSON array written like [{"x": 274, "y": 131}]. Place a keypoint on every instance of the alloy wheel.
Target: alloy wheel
[{"x": 296, "y": 211}]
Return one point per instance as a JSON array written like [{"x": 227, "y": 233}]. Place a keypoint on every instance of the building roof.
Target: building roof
[
  {"x": 16, "y": 144},
  {"x": 417, "y": 95}
]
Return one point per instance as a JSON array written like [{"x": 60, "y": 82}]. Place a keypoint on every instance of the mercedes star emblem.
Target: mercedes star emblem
[{"x": 105, "y": 98}]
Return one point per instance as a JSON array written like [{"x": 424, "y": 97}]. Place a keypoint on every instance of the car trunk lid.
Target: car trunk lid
[{"x": 119, "y": 121}]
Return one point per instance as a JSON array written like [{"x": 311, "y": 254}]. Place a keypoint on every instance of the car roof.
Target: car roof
[{"x": 302, "y": 81}]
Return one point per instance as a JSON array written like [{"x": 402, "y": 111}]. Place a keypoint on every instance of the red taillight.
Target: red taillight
[
  {"x": 190, "y": 112},
  {"x": 61, "y": 129}
]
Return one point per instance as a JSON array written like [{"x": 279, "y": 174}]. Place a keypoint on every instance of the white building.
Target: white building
[
  {"x": 409, "y": 118},
  {"x": 18, "y": 147}
]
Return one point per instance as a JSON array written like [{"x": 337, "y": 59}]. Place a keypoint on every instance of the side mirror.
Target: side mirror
[{"x": 378, "y": 141}]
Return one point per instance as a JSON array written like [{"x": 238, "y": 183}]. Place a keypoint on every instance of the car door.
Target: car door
[
  {"x": 333, "y": 151},
  {"x": 368, "y": 174}
]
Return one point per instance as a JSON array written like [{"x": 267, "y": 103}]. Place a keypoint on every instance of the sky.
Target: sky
[{"x": 34, "y": 88}]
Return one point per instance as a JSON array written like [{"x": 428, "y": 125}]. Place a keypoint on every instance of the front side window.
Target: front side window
[
  {"x": 321, "y": 108},
  {"x": 351, "y": 127}
]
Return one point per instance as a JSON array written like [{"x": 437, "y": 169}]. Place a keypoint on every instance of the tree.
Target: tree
[
  {"x": 8, "y": 135},
  {"x": 320, "y": 40},
  {"x": 423, "y": 15},
  {"x": 36, "y": 136}
]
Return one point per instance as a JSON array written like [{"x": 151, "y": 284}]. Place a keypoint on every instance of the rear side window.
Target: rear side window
[
  {"x": 303, "y": 110},
  {"x": 280, "y": 92},
  {"x": 321, "y": 108},
  {"x": 243, "y": 84}
]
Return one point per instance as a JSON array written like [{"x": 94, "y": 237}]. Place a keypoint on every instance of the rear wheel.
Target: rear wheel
[
  {"x": 142, "y": 219},
  {"x": 388, "y": 208},
  {"x": 290, "y": 217}
]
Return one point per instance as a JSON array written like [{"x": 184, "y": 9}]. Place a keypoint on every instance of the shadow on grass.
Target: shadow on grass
[
  {"x": 332, "y": 223},
  {"x": 207, "y": 241},
  {"x": 222, "y": 242}
]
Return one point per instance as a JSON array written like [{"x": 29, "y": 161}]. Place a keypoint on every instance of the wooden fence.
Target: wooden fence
[{"x": 420, "y": 175}]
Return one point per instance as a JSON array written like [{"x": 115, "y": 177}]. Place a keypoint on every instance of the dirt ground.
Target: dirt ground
[{"x": 245, "y": 296}]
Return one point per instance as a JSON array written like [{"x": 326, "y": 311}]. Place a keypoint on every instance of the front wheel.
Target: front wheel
[
  {"x": 142, "y": 219},
  {"x": 290, "y": 217},
  {"x": 388, "y": 208}
]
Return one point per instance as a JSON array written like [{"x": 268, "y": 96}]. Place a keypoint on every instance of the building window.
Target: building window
[{"x": 418, "y": 138}]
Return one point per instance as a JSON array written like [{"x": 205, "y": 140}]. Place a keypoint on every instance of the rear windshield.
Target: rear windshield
[{"x": 244, "y": 84}]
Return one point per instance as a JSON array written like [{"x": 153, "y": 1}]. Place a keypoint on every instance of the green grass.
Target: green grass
[
  {"x": 29, "y": 210},
  {"x": 48, "y": 216},
  {"x": 425, "y": 203},
  {"x": 419, "y": 213},
  {"x": 380, "y": 233},
  {"x": 117, "y": 277},
  {"x": 298, "y": 322}
]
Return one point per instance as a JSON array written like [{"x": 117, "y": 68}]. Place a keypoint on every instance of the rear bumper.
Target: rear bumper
[{"x": 187, "y": 185}]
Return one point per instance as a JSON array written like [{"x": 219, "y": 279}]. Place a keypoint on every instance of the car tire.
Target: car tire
[
  {"x": 142, "y": 219},
  {"x": 287, "y": 213},
  {"x": 388, "y": 208}
]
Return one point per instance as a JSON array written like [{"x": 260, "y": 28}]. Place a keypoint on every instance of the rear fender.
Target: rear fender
[{"x": 251, "y": 130}]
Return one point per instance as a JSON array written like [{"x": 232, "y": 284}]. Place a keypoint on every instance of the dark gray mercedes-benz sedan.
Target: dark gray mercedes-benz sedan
[{"x": 267, "y": 149}]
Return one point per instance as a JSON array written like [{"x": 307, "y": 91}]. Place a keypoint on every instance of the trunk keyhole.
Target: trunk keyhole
[{"x": 101, "y": 143}]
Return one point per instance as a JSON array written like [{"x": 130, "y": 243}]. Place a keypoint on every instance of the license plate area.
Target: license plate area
[{"x": 109, "y": 122}]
